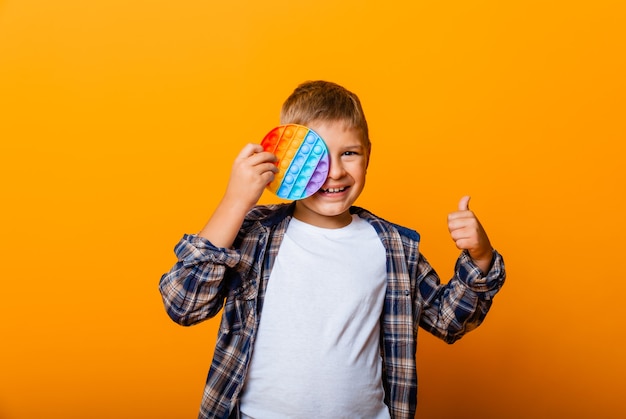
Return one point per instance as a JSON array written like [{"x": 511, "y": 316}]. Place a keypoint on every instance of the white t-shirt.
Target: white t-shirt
[{"x": 317, "y": 354}]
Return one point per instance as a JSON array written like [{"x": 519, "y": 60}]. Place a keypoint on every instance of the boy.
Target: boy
[{"x": 322, "y": 300}]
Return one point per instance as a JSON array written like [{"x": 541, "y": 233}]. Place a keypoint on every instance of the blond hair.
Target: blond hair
[{"x": 320, "y": 101}]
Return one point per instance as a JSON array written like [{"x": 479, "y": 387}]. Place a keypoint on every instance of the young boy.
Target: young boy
[{"x": 322, "y": 300}]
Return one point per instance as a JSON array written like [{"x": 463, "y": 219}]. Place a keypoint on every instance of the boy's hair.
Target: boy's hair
[{"x": 320, "y": 100}]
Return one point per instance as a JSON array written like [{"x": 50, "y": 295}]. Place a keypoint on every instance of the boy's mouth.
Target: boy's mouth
[{"x": 333, "y": 190}]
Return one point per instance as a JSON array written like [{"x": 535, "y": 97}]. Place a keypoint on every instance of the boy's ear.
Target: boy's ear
[{"x": 369, "y": 153}]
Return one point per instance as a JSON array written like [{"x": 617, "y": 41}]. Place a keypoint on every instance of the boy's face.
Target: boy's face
[{"x": 329, "y": 207}]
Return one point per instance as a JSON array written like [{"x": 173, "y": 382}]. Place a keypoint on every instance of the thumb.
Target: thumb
[{"x": 464, "y": 203}]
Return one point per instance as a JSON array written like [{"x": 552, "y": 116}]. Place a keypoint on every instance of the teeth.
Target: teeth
[{"x": 333, "y": 190}]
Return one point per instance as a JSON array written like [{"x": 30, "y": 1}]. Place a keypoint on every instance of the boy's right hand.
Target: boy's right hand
[{"x": 252, "y": 170}]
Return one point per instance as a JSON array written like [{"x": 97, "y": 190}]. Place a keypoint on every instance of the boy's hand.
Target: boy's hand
[
  {"x": 252, "y": 170},
  {"x": 468, "y": 234}
]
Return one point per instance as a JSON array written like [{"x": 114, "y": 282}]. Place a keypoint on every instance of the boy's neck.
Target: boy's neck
[{"x": 304, "y": 214}]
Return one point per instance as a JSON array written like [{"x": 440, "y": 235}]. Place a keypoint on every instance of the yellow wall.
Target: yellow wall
[{"x": 119, "y": 121}]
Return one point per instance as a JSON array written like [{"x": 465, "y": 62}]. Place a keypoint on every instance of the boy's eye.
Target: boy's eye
[{"x": 350, "y": 153}]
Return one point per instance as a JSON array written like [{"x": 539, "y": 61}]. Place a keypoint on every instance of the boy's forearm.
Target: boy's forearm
[{"x": 223, "y": 226}]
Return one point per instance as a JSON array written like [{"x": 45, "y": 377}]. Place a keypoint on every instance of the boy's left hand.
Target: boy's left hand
[{"x": 468, "y": 234}]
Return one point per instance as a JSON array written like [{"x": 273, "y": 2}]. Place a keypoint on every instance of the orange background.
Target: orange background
[{"x": 119, "y": 121}]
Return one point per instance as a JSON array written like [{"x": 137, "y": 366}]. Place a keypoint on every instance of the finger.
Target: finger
[
  {"x": 263, "y": 157},
  {"x": 460, "y": 237},
  {"x": 267, "y": 177},
  {"x": 464, "y": 203},
  {"x": 464, "y": 244},
  {"x": 267, "y": 167},
  {"x": 456, "y": 223},
  {"x": 249, "y": 150}
]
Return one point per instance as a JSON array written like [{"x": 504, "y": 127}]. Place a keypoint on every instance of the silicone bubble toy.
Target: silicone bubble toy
[{"x": 302, "y": 161}]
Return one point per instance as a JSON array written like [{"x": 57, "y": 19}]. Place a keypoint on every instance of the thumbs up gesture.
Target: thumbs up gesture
[{"x": 468, "y": 234}]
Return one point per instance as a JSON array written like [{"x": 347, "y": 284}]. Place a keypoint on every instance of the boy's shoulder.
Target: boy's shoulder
[
  {"x": 383, "y": 225},
  {"x": 268, "y": 215}
]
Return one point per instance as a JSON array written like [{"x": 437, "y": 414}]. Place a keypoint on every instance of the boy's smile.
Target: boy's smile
[{"x": 329, "y": 207}]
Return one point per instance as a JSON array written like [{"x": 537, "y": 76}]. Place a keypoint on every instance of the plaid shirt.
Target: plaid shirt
[{"x": 207, "y": 278}]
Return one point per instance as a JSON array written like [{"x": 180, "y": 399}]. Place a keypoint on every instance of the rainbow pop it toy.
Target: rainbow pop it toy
[{"x": 302, "y": 161}]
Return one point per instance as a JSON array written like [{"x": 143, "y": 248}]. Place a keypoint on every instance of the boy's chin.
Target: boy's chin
[{"x": 326, "y": 209}]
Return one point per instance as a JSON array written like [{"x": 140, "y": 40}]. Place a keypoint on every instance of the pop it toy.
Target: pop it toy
[{"x": 302, "y": 161}]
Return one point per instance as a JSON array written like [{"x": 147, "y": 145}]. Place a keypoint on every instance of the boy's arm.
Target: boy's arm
[
  {"x": 252, "y": 170},
  {"x": 451, "y": 310},
  {"x": 192, "y": 289}
]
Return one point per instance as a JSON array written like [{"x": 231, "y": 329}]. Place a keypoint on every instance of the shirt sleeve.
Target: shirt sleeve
[
  {"x": 485, "y": 285},
  {"x": 192, "y": 289},
  {"x": 451, "y": 310}
]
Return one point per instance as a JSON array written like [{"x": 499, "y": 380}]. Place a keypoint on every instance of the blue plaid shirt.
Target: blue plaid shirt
[{"x": 206, "y": 279}]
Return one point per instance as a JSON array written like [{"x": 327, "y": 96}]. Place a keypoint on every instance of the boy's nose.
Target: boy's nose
[{"x": 336, "y": 169}]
